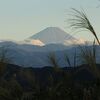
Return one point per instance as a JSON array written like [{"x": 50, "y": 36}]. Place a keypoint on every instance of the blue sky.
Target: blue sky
[{"x": 20, "y": 19}]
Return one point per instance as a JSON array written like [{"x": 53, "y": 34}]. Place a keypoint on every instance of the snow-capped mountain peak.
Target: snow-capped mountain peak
[{"x": 52, "y": 35}]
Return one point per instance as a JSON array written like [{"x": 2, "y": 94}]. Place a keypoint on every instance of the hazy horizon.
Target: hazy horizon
[{"x": 22, "y": 18}]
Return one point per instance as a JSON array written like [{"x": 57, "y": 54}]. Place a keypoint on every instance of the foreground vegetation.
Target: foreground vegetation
[{"x": 48, "y": 83}]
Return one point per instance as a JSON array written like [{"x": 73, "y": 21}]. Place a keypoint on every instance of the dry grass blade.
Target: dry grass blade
[
  {"x": 80, "y": 21},
  {"x": 71, "y": 61},
  {"x": 75, "y": 58},
  {"x": 88, "y": 54},
  {"x": 53, "y": 60},
  {"x": 68, "y": 60}
]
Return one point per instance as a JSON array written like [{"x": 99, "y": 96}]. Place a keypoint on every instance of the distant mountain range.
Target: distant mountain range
[{"x": 39, "y": 56}]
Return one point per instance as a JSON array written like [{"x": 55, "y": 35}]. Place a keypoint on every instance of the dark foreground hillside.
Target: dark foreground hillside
[{"x": 48, "y": 83}]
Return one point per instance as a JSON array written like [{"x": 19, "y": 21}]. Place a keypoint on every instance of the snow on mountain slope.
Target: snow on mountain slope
[{"x": 53, "y": 35}]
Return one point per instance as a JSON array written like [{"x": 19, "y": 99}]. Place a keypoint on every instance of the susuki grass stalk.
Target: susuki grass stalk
[
  {"x": 52, "y": 58},
  {"x": 88, "y": 55},
  {"x": 71, "y": 60},
  {"x": 75, "y": 58},
  {"x": 53, "y": 61},
  {"x": 68, "y": 60},
  {"x": 81, "y": 21},
  {"x": 3, "y": 59}
]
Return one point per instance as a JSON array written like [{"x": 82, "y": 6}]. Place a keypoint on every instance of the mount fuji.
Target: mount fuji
[{"x": 53, "y": 35}]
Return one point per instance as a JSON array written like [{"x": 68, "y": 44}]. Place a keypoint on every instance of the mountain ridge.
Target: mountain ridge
[{"x": 39, "y": 56}]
